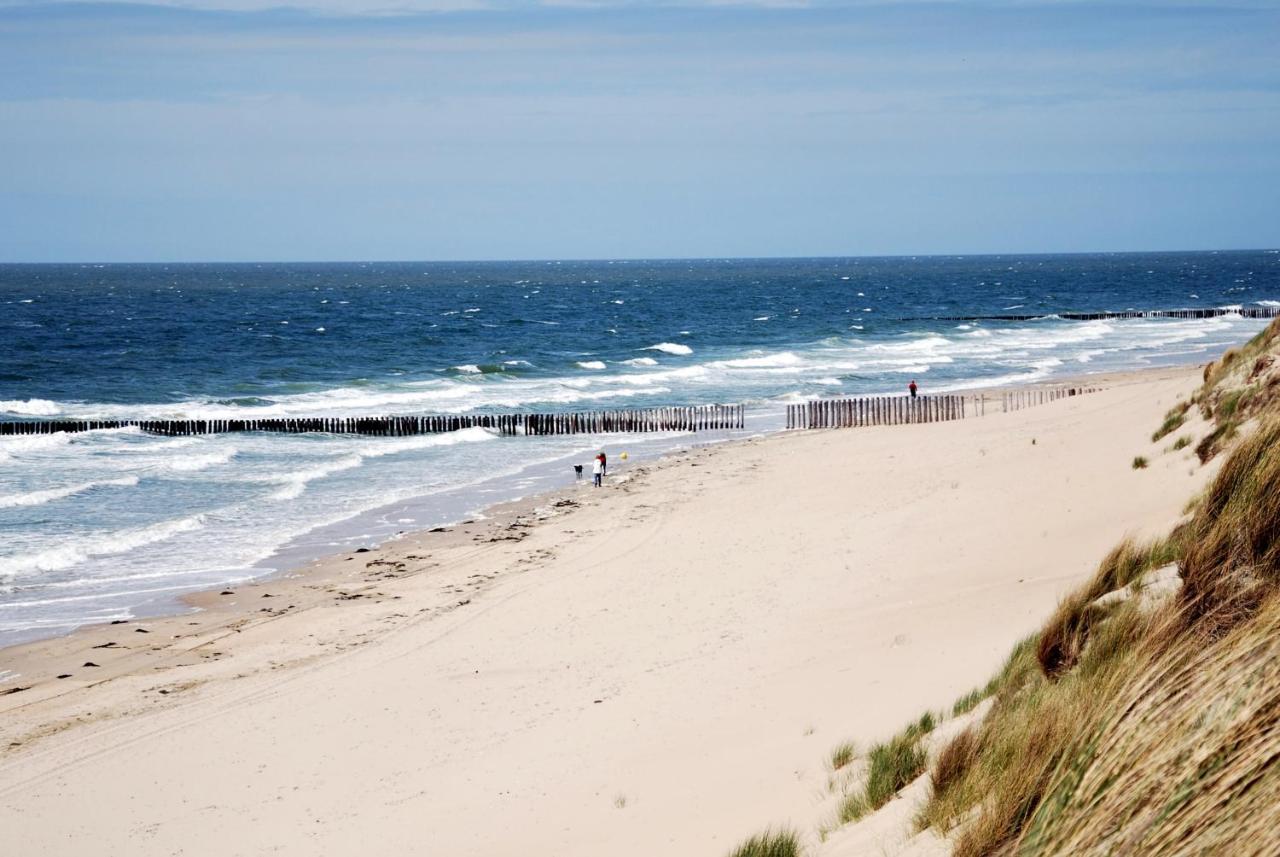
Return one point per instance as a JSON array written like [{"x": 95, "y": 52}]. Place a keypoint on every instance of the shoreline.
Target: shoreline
[
  {"x": 300, "y": 555},
  {"x": 624, "y": 671}
]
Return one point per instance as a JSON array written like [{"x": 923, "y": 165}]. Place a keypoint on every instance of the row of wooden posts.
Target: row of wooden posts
[
  {"x": 699, "y": 418},
  {"x": 1214, "y": 312},
  {"x": 822, "y": 413},
  {"x": 1016, "y": 400},
  {"x": 875, "y": 411},
  {"x": 903, "y": 410}
]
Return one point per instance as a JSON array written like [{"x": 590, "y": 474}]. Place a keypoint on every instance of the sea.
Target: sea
[{"x": 118, "y": 524}]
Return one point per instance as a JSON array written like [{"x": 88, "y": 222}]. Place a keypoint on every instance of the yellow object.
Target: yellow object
[{"x": 623, "y": 456}]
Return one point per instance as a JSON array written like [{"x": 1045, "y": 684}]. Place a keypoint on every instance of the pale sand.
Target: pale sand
[{"x": 660, "y": 670}]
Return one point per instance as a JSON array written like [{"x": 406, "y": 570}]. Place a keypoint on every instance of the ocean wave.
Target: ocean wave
[
  {"x": 293, "y": 483},
  {"x": 640, "y": 361},
  {"x": 591, "y": 364},
  {"x": 193, "y": 463},
  {"x": 1266, "y": 303},
  {"x": 102, "y": 544},
  {"x": 30, "y": 407},
  {"x": 767, "y": 361},
  {"x": 37, "y": 498},
  {"x": 11, "y": 446},
  {"x": 671, "y": 348},
  {"x": 392, "y": 446}
]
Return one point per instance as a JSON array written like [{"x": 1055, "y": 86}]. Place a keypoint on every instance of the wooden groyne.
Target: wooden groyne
[
  {"x": 905, "y": 410},
  {"x": 631, "y": 421},
  {"x": 1243, "y": 312}
]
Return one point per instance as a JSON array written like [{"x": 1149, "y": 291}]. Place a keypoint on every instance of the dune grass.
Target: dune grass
[
  {"x": 842, "y": 755},
  {"x": 1187, "y": 766},
  {"x": 1064, "y": 636},
  {"x": 1124, "y": 730},
  {"x": 1236, "y": 528},
  {"x": 954, "y": 760},
  {"x": 1182, "y": 442},
  {"x": 891, "y": 766},
  {"x": 1173, "y": 421},
  {"x": 968, "y": 702},
  {"x": 771, "y": 843},
  {"x": 1139, "y": 462}
]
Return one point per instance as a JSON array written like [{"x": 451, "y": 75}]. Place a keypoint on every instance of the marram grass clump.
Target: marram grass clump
[
  {"x": 771, "y": 843},
  {"x": 1233, "y": 555},
  {"x": 842, "y": 755},
  {"x": 891, "y": 766},
  {"x": 1173, "y": 420},
  {"x": 1063, "y": 638}
]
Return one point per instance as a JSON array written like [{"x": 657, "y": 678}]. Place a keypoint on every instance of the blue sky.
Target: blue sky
[{"x": 460, "y": 129}]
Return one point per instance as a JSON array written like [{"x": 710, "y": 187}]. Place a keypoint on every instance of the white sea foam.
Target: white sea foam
[
  {"x": 767, "y": 361},
  {"x": 37, "y": 498},
  {"x": 33, "y": 442},
  {"x": 101, "y": 544},
  {"x": 30, "y": 407},
  {"x": 392, "y": 446},
  {"x": 591, "y": 364},
  {"x": 468, "y": 369},
  {"x": 671, "y": 348},
  {"x": 193, "y": 463},
  {"x": 640, "y": 361}
]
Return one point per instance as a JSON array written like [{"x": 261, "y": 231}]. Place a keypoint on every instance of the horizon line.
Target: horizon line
[{"x": 629, "y": 259}]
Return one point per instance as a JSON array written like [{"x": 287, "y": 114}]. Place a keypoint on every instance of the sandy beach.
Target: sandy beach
[{"x": 657, "y": 667}]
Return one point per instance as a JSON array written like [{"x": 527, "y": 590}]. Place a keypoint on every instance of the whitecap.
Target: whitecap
[
  {"x": 640, "y": 361},
  {"x": 294, "y": 483},
  {"x": 591, "y": 364},
  {"x": 768, "y": 361},
  {"x": 467, "y": 369},
  {"x": 37, "y": 498},
  {"x": 192, "y": 463},
  {"x": 102, "y": 544},
  {"x": 31, "y": 407},
  {"x": 671, "y": 348}
]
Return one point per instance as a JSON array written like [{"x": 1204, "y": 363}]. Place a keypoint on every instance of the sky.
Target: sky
[{"x": 287, "y": 130}]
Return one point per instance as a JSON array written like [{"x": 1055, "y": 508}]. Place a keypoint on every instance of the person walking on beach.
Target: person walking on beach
[
  {"x": 604, "y": 463},
  {"x": 912, "y": 387},
  {"x": 597, "y": 470}
]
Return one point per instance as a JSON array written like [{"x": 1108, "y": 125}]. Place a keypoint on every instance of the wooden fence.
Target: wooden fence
[
  {"x": 633, "y": 421},
  {"x": 876, "y": 411},
  {"x": 1016, "y": 400},
  {"x": 903, "y": 410}
]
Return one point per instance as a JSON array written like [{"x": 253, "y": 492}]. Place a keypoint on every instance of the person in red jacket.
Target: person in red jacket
[{"x": 912, "y": 387}]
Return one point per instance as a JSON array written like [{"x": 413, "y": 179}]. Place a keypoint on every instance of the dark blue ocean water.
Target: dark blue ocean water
[
  {"x": 151, "y": 334},
  {"x": 92, "y": 525}
]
